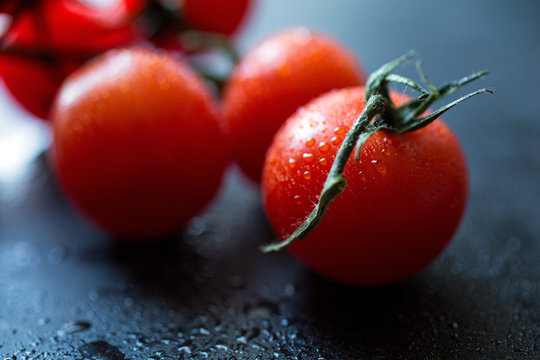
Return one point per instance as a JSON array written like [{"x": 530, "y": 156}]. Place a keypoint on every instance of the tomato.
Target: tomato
[
  {"x": 403, "y": 201},
  {"x": 279, "y": 75},
  {"x": 137, "y": 143},
  {"x": 215, "y": 15},
  {"x": 33, "y": 83},
  {"x": 68, "y": 26}
]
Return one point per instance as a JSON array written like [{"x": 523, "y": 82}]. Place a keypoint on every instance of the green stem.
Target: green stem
[{"x": 335, "y": 182}]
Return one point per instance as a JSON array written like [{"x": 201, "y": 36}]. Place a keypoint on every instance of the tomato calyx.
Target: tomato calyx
[{"x": 380, "y": 114}]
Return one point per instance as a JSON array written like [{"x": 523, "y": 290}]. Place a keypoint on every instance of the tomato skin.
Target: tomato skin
[
  {"x": 402, "y": 205},
  {"x": 137, "y": 143},
  {"x": 279, "y": 75},
  {"x": 215, "y": 15}
]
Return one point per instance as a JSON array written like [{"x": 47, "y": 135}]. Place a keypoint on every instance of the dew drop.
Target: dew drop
[
  {"x": 373, "y": 161},
  {"x": 310, "y": 142},
  {"x": 381, "y": 168},
  {"x": 308, "y": 157},
  {"x": 307, "y": 175},
  {"x": 339, "y": 131},
  {"x": 297, "y": 199},
  {"x": 335, "y": 140},
  {"x": 292, "y": 163},
  {"x": 323, "y": 161},
  {"x": 323, "y": 147}
]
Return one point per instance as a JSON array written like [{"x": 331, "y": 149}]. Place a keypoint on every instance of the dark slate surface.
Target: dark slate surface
[{"x": 68, "y": 291}]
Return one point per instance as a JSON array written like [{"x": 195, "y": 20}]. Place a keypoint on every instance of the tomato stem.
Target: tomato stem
[{"x": 379, "y": 114}]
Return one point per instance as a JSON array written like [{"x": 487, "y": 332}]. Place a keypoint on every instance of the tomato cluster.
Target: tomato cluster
[
  {"x": 45, "y": 41},
  {"x": 141, "y": 141}
]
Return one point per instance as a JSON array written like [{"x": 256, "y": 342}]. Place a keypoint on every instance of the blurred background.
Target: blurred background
[{"x": 69, "y": 291}]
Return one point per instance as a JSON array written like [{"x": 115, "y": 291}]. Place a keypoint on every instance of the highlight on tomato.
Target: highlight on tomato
[
  {"x": 386, "y": 215},
  {"x": 137, "y": 143},
  {"x": 282, "y": 73}
]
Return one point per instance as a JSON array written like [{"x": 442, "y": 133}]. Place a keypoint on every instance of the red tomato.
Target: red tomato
[
  {"x": 279, "y": 75},
  {"x": 215, "y": 15},
  {"x": 68, "y": 26},
  {"x": 137, "y": 143},
  {"x": 401, "y": 207},
  {"x": 32, "y": 83}
]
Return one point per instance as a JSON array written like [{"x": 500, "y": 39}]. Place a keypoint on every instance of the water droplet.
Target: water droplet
[
  {"x": 308, "y": 157},
  {"x": 323, "y": 147},
  {"x": 184, "y": 349},
  {"x": 292, "y": 163},
  {"x": 323, "y": 161},
  {"x": 73, "y": 327},
  {"x": 297, "y": 199},
  {"x": 310, "y": 142},
  {"x": 241, "y": 339},
  {"x": 204, "y": 331},
  {"x": 339, "y": 131},
  {"x": 381, "y": 168},
  {"x": 373, "y": 161},
  {"x": 307, "y": 175},
  {"x": 221, "y": 347},
  {"x": 335, "y": 140}
]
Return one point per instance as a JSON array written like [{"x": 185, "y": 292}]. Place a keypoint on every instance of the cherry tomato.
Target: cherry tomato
[
  {"x": 403, "y": 202},
  {"x": 68, "y": 26},
  {"x": 137, "y": 142},
  {"x": 279, "y": 75},
  {"x": 215, "y": 15},
  {"x": 33, "y": 83}
]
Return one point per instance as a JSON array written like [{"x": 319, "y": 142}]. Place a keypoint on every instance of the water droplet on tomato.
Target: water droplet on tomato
[
  {"x": 323, "y": 161},
  {"x": 307, "y": 175},
  {"x": 310, "y": 142},
  {"x": 335, "y": 140},
  {"x": 292, "y": 163},
  {"x": 308, "y": 157},
  {"x": 381, "y": 168},
  {"x": 297, "y": 199},
  {"x": 339, "y": 131},
  {"x": 323, "y": 147}
]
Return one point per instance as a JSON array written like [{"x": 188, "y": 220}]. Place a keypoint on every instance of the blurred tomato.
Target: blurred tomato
[
  {"x": 33, "y": 82},
  {"x": 279, "y": 75},
  {"x": 137, "y": 142},
  {"x": 67, "y": 26},
  {"x": 215, "y": 15}
]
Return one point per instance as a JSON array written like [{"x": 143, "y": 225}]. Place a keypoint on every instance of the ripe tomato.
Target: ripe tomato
[
  {"x": 215, "y": 15},
  {"x": 33, "y": 83},
  {"x": 403, "y": 202},
  {"x": 279, "y": 75},
  {"x": 68, "y": 26},
  {"x": 137, "y": 142}
]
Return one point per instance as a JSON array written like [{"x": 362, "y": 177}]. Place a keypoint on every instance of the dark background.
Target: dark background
[{"x": 69, "y": 291}]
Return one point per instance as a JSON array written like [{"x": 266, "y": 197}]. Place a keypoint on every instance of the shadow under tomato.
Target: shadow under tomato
[{"x": 427, "y": 314}]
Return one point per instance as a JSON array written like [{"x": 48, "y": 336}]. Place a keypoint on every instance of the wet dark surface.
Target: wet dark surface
[{"x": 68, "y": 291}]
